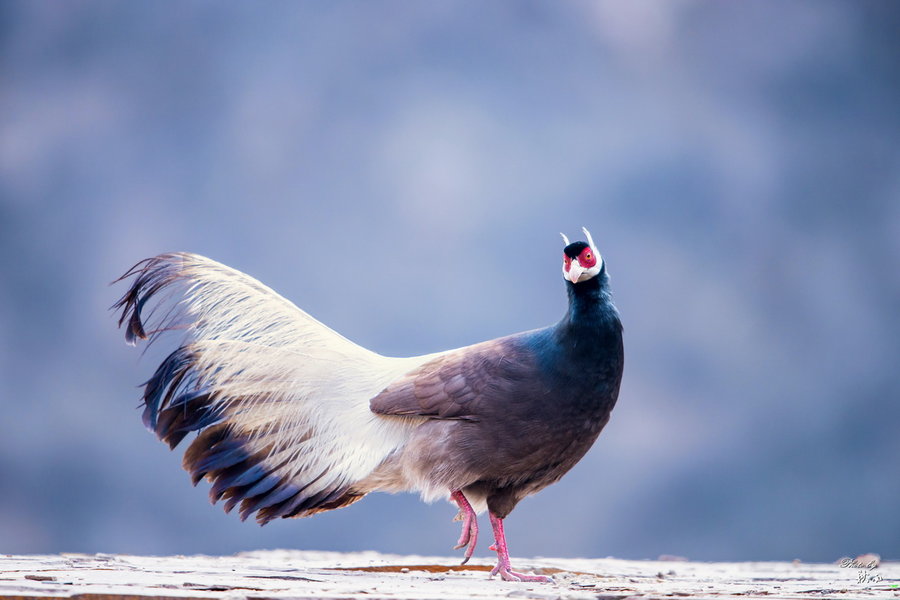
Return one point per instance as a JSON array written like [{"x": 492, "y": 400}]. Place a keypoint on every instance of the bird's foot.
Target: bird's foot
[
  {"x": 506, "y": 574},
  {"x": 503, "y": 568},
  {"x": 468, "y": 538}
]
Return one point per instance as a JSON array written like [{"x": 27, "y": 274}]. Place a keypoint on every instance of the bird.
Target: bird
[{"x": 293, "y": 419}]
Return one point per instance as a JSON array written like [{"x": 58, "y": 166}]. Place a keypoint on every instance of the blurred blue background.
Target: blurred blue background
[{"x": 737, "y": 163}]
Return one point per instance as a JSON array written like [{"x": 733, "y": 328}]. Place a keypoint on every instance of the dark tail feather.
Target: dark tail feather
[
  {"x": 167, "y": 381},
  {"x": 252, "y": 481},
  {"x": 151, "y": 275}
]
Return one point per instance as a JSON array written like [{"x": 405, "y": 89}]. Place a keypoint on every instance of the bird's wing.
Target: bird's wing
[
  {"x": 465, "y": 384},
  {"x": 280, "y": 401}
]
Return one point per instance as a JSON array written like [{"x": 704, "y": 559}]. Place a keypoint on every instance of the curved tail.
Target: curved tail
[{"x": 280, "y": 402}]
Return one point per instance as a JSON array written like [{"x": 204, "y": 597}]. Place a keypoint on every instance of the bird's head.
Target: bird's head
[{"x": 581, "y": 261}]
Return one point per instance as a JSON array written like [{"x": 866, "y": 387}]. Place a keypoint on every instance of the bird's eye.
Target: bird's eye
[{"x": 587, "y": 259}]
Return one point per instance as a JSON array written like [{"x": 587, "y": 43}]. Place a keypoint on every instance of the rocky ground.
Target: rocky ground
[{"x": 369, "y": 575}]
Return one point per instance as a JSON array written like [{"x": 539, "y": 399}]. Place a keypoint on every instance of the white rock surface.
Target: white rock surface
[{"x": 367, "y": 575}]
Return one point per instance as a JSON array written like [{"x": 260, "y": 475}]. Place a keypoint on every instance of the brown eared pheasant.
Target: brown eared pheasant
[{"x": 293, "y": 419}]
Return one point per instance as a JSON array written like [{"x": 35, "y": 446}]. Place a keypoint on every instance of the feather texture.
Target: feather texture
[{"x": 280, "y": 401}]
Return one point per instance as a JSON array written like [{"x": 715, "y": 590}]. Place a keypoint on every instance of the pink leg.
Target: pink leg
[
  {"x": 469, "y": 535},
  {"x": 503, "y": 567}
]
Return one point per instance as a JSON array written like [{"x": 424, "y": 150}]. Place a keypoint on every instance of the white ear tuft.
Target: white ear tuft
[
  {"x": 565, "y": 239},
  {"x": 589, "y": 239}
]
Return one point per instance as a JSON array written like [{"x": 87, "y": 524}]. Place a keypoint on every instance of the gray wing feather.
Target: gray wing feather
[{"x": 465, "y": 384}]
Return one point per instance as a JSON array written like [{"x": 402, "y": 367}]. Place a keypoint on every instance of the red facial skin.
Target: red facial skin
[{"x": 586, "y": 259}]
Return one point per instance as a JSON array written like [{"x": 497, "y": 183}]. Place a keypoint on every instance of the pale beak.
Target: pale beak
[{"x": 575, "y": 271}]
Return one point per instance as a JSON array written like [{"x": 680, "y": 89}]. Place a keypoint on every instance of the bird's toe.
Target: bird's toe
[{"x": 509, "y": 575}]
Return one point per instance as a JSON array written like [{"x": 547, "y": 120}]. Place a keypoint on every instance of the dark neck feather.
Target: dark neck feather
[{"x": 591, "y": 310}]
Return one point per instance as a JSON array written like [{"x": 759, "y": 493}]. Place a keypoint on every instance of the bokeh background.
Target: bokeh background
[{"x": 401, "y": 170}]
